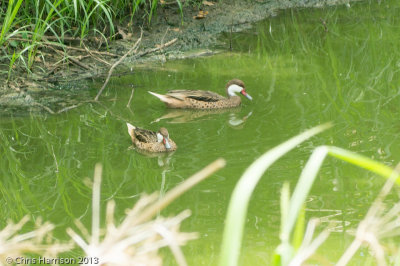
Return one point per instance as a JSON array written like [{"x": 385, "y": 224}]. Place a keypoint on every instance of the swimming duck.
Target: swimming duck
[
  {"x": 198, "y": 99},
  {"x": 151, "y": 141}
]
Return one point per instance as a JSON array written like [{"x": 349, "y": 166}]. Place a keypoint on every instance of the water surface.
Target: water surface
[{"x": 302, "y": 68}]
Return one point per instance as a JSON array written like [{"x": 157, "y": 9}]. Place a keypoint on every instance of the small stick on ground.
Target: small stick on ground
[
  {"x": 162, "y": 39},
  {"x": 95, "y": 57},
  {"x": 63, "y": 39},
  {"x": 156, "y": 49},
  {"x": 44, "y": 107},
  {"x": 46, "y": 43},
  {"x": 130, "y": 98},
  {"x": 73, "y": 60},
  {"x": 76, "y": 62},
  {"x": 116, "y": 64},
  {"x": 95, "y": 52}
]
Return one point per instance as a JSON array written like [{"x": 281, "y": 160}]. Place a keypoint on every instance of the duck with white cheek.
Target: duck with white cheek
[
  {"x": 151, "y": 141},
  {"x": 199, "y": 99}
]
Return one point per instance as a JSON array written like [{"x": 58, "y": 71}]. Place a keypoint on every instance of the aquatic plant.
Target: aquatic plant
[
  {"x": 134, "y": 241},
  {"x": 296, "y": 246}
]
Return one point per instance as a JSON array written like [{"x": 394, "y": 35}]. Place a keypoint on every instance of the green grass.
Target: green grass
[{"x": 26, "y": 23}]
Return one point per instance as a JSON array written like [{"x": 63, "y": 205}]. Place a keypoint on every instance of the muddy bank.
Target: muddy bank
[{"x": 56, "y": 88}]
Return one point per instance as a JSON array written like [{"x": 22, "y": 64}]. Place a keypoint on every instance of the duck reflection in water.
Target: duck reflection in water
[
  {"x": 178, "y": 116},
  {"x": 163, "y": 159},
  {"x": 236, "y": 121}
]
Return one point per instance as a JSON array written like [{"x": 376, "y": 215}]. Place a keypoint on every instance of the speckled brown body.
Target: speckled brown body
[
  {"x": 233, "y": 101},
  {"x": 197, "y": 99},
  {"x": 146, "y": 140},
  {"x": 155, "y": 146}
]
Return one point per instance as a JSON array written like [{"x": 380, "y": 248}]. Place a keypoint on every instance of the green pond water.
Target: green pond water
[{"x": 299, "y": 73}]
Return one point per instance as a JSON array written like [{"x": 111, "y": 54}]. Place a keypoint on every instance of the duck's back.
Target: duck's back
[
  {"x": 198, "y": 99},
  {"x": 205, "y": 96},
  {"x": 145, "y": 136}
]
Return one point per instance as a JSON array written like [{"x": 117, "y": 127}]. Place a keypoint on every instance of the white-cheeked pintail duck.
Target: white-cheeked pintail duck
[
  {"x": 198, "y": 99},
  {"x": 151, "y": 141}
]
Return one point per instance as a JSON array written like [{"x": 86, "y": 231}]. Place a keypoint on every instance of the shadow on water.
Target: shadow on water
[
  {"x": 178, "y": 116},
  {"x": 302, "y": 67}
]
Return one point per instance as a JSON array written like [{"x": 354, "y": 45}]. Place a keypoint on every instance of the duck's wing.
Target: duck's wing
[
  {"x": 144, "y": 135},
  {"x": 204, "y": 96}
]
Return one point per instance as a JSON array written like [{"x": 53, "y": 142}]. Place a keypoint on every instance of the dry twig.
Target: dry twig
[
  {"x": 95, "y": 57},
  {"x": 377, "y": 225},
  {"x": 137, "y": 239},
  {"x": 14, "y": 242},
  {"x": 58, "y": 45},
  {"x": 44, "y": 107},
  {"x": 156, "y": 49},
  {"x": 73, "y": 60},
  {"x": 135, "y": 46}
]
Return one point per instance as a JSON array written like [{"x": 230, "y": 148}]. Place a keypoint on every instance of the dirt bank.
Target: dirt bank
[{"x": 56, "y": 88}]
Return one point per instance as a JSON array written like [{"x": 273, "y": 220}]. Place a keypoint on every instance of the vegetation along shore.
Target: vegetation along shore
[{"x": 49, "y": 49}]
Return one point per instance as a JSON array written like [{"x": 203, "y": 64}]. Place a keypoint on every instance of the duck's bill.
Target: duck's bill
[
  {"x": 246, "y": 95},
  {"x": 249, "y": 97},
  {"x": 166, "y": 144}
]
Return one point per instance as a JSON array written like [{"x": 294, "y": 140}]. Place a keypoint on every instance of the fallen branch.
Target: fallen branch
[
  {"x": 83, "y": 50},
  {"x": 73, "y": 60},
  {"x": 44, "y": 107},
  {"x": 63, "y": 46},
  {"x": 65, "y": 38},
  {"x": 155, "y": 49},
  {"x": 136, "y": 56},
  {"x": 135, "y": 46},
  {"x": 95, "y": 57}
]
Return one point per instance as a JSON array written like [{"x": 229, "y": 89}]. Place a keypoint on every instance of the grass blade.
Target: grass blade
[
  {"x": 285, "y": 250},
  {"x": 10, "y": 16},
  {"x": 361, "y": 161},
  {"x": 240, "y": 198},
  {"x": 303, "y": 187}
]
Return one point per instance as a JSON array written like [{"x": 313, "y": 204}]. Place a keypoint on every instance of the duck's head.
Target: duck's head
[
  {"x": 163, "y": 136},
  {"x": 237, "y": 86}
]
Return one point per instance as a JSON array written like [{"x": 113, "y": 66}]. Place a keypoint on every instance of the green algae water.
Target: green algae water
[{"x": 303, "y": 67}]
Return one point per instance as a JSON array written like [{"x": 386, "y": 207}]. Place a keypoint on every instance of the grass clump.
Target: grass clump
[
  {"x": 14, "y": 243},
  {"x": 27, "y": 26},
  {"x": 136, "y": 240}
]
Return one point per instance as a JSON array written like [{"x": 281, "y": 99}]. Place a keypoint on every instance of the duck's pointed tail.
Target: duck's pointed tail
[
  {"x": 163, "y": 98},
  {"x": 131, "y": 130}
]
